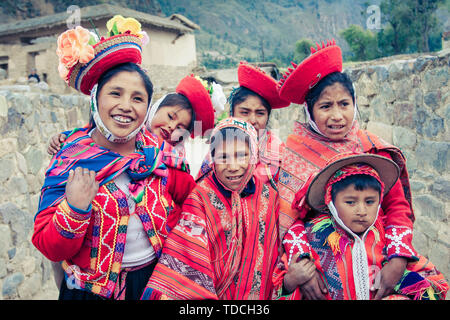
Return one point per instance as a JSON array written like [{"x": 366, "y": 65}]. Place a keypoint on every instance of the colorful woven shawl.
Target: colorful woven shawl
[
  {"x": 232, "y": 244},
  {"x": 194, "y": 262},
  {"x": 237, "y": 210},
  {"x": 79, "y": 150}
]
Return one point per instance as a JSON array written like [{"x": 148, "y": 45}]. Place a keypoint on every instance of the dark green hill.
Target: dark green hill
[{"x": 264, "y": 29}]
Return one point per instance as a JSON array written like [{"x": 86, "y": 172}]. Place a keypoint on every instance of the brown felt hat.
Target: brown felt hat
[{"x": 387, "y": 170}]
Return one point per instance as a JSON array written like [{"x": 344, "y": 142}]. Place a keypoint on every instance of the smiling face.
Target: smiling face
[
  {"x": 252, "y": 110},
  {"x": 122, "y": 103},
  {"x": 170, "y": 123},
  {"x": 333, "y": 112},
  {"x": 357, "y": 208},
  {"x": 231, "y": 161}
]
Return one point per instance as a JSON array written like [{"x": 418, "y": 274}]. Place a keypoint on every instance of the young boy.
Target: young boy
[
  {"x": 347, "y": 242},
  {"x": 225, "y": 245}
]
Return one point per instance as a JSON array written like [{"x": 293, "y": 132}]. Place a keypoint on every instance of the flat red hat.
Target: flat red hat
[
  {"x": 295, "y": 83},
  {"x": 256, "y": 80},
  {"x": 198, "y": 96},
  {"x": 108, "y": 52}
]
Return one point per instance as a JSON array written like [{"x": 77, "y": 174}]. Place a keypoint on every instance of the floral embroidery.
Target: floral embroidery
[
  {"x": 398, "y": 241},
  {"x": 298, "y": 242}
]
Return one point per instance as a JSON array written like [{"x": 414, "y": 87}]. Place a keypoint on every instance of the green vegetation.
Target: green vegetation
[
  {"x": 409, "y": 26},
  {"x": 302, "y": 49}
]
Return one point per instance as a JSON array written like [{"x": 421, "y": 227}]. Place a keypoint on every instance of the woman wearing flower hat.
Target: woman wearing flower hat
[
  {"x": 332, "y": 128},
  {"x": 106, "y": 203},
  {"x": 253, "y": 101}
]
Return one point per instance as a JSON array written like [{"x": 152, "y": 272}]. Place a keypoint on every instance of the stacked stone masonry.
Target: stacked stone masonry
[{"x": 406, "y": 102}]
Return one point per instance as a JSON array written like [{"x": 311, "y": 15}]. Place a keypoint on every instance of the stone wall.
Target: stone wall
[
  {"x": 406, "y": 102},
  {"x": 28, "y": 118}
]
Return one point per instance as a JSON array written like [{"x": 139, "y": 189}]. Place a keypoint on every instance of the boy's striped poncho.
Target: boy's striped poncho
[{"x": 193, "y": 261}]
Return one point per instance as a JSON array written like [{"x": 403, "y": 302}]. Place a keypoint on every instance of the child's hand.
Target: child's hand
[
  {"x": 299, "y": 272},
  {"x": 388, "y": 277},
  {"x": 55, "y": 143},
  {"x": 314, "y": 289},
  {"x": 81, "y": 188}
]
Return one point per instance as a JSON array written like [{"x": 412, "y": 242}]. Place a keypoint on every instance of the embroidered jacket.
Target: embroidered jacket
[
  {"x": 91, "y": 245},
  {"x": 331, "y": 250}
]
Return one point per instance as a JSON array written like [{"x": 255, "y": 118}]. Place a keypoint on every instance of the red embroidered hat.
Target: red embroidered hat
[
  {"x": 386, "y": 169},
  {"x": 193, "y": 89},
  {"x": 256, "y": 80},
  {"x": 109, "y": 52},
  {"x": 295, "y": 83}
]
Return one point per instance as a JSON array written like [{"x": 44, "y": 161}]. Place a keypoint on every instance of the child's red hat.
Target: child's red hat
[
  {"x": 256, "y": 80},
  {"x": 295, "y": 83},
  {"x": 115, "y": 50},
  {"x": 198, "y": 96}
]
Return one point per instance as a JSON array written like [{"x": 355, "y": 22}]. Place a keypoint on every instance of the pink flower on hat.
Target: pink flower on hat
[
  {"x": 144, "y": 38},
  {"x": 73, "y": 47}
]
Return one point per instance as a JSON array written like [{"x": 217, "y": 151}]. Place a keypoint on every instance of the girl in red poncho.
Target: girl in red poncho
[
  {"x": 330, "y": 105},
  {"x": 347, "y": 241},
  {"x": 109, "y": 193},
  {"x": 253, "y": 101},
  {"x": 225, "y": 245}
]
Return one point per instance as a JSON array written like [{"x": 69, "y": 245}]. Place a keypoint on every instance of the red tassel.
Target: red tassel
[{"x": 294, "y": 64}]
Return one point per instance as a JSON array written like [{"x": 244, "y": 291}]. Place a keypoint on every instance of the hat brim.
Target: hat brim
[
  {"x": 200, "y": 101},
  {"x": 261, "y": 83},
  {"x": 108, "y": 53},
  {"x": 296, "y": 84},
  {"x": 386, "y": 168}
]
